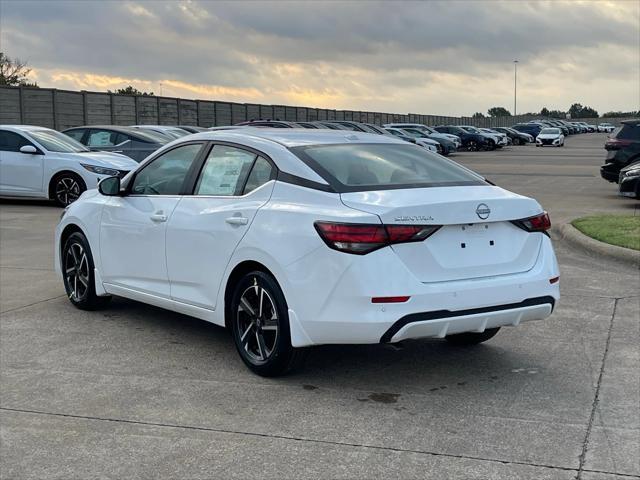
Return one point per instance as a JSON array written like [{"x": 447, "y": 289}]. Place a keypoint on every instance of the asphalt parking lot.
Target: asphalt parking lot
[{"x": 137, "y": 391}]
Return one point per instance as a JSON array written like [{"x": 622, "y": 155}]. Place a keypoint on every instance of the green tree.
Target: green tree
[
  {"x": 130, "y": 90},
  {"x": 498, "y": 112},
  {"x": 545, "y": 112},
  {"x": 14, "y": 72},
  {"x": 578, "y": 111},
  {"x": 477, "y": 115},
  {"x": 620, "y": 114}
]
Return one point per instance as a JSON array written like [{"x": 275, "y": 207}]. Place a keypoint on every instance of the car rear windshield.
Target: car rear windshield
[
  {"x": 628, "y": 132},
  {"x": 379, "y": 166}
]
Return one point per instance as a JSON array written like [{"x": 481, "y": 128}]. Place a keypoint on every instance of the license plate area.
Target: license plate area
[{"x": 475, "y": 236}]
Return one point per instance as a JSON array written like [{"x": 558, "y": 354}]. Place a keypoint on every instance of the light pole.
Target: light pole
[{"x": 515, "y": 87}]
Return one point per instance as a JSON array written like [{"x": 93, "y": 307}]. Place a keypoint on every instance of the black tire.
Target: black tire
[
  {"x": 491, "y": 145},
  {"x": 472, "y": 146},
  {"x": 264, "y": 344},
  {"x": 65, "y": 188},
  {"x": 77, "y": 273},
  {"x": 472, "y": 338}
]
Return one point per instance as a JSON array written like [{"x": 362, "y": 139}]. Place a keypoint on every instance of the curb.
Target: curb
[{"x": 574, "y": 236}]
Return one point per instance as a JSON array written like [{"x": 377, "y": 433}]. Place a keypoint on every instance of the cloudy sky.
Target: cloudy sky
[{"x": 431, "y": 57}]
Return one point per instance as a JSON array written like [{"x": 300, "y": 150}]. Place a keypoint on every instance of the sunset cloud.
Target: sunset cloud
[{"x": 420, "y": 57}]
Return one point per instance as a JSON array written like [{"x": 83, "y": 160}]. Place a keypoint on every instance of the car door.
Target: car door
[
  {"x": 133, "y": 227},
  {"x": 21, "y": 174},
  {"x": 206, "y": 227}
]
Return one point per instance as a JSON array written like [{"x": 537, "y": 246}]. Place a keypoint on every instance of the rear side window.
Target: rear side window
[
  {"x": 354, "y": 167},
  {"x": 75, "y": 134},
  {"x": 261, "y": 173},
  {"x": 225, "y": 171},
  {"x": 12, "y": 142},
  {"x": 628, "y": 132}
]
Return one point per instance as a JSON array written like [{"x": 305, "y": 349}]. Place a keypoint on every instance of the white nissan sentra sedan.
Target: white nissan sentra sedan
[{"x": 293, "y": 238}]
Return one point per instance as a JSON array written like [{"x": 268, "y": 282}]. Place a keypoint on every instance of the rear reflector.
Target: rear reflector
[
  {"x": 362, "y": 238},
  {"x": 539, "y": 223},
  {"x": 389, "y": 299},
  {"x": 554, "y": 280}
]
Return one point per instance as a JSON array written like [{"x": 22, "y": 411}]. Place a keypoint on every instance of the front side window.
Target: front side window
[
  {"x": 75, "y": 134},
  {"x": 225, "y": 171},
  {"x": 11, "y": 141},
  {"x": 350, "y": 167},
  {"x": 166, "y": 174}
]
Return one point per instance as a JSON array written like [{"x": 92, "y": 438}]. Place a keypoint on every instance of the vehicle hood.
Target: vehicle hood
[
  {"x": 104, "y": 159},
  {"x": 427, "y": 140},
  {"x": 442, "y": 205}
]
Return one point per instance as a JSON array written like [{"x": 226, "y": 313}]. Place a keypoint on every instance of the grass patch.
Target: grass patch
[{"x": 620, "y": 230}]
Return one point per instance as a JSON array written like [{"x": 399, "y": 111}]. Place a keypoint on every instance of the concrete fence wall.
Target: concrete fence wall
[{"x": 60, "y": 109}]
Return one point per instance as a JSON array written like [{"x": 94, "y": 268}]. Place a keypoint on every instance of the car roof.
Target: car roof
[
  {"x": 296, "y": 137},
  {"x": 632, "y": 122},
  {"x": 25, "y": 128}
]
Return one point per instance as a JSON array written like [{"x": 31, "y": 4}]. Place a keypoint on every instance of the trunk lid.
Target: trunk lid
[{"x": 477, "y": 238}]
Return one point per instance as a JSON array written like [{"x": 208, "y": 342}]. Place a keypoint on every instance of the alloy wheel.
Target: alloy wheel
[
  {"x": 258, "y": 324},
  {"x": 67, "y": 190},
  {"x": 76, "y": 270},
  {"x": 472, "y": 146}
]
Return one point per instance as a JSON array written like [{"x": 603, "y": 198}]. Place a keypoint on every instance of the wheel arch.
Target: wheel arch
[
  {"x": 56, "y": 175},
  {"x": 234, "y": 277},
  {"x": 67, "y": 232}
]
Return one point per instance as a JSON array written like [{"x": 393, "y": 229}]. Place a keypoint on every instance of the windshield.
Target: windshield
[
  {"x": 152, "y": 136},
  {"x": 354, "y": 167},
  {"x": 57, "y": 142},
  {"x": 550, "y": 131},
  {"x": 471, "y": 129}
]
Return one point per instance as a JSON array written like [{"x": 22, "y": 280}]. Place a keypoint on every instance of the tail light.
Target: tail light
[
  {"x": 539, "y": 223},
  {"x": 362, "y": 238}
]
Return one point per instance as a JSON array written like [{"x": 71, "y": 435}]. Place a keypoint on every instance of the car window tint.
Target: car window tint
[
  {"x": 75, "y": 134},
  {"x": 121, "y": 138},
  {"x": 260, "y": 174},
  {"x": 628, "y": 132},
  {"x": 381, "y": 165},
  {"x": 165, "y": 175},
  {"x": 12, "y": 142},
  {"x": 224, "y": 171},
  {"x": 102, "y": 138}
]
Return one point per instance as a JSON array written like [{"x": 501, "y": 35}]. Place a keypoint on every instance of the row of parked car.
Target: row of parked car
[
  {"x": 79, "y": 157},
  {"x": 622, "y": 163}
]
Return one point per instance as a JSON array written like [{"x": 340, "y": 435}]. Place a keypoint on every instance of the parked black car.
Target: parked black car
[
  {"x": 518, "y": 138},
  {"x": 134, "y": 143},
  {"x": 629, "y": 183},
  {"x": 623, "y": 148},
  {"x": 471, "y": 141},
  {"x": 532, "y": 129}
]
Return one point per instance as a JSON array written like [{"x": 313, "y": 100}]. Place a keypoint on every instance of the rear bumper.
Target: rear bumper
[
  {"x": 340, "y": 310},
  {"x": 611, "y": 171},
  {"x": 441, "y": 323}
]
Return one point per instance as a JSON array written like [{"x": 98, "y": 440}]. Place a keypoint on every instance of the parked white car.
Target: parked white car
[
  {"x": 293, "y": 238},
  {"x": 606, "y": 127},
  {"x": 427, "y": 143},
  {"x": 38, "y": 162},
  {"x": 503, "y": 139},
  {"x": 550, "y": 137}
]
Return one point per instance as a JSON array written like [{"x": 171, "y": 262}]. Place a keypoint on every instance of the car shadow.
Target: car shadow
[{"x": 32, "y": 202}]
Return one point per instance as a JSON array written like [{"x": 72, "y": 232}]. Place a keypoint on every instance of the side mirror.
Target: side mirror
[
  {"x": 110, "y": 186},
  {"x": 29, "y": 149}
]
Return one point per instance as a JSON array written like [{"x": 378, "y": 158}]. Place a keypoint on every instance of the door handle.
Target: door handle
[
  {"x": 158, "y": 217},
  {"x": 237, "y": 220}
]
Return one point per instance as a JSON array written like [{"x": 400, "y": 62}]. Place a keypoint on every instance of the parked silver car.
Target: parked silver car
[{"x": 134, "y": 143}]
